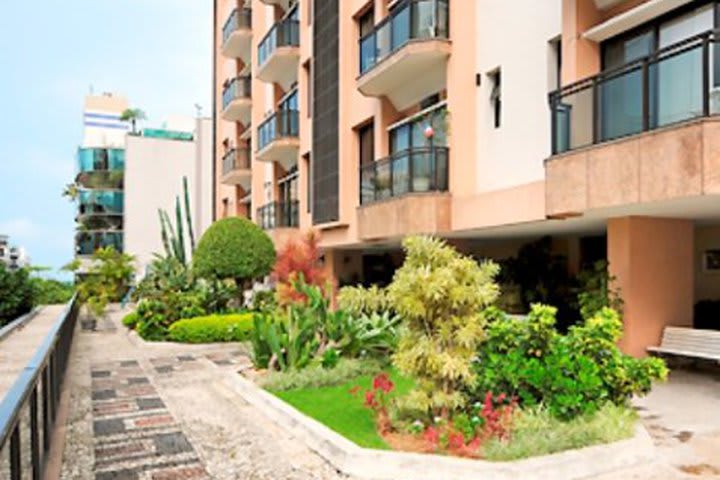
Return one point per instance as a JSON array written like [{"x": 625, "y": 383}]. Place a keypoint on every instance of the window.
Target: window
[
  {"x": 554, "y": 64},
  {"x": 366, "y": 22},
  {"x": 495, "y": 97},
  {"x": 307, "y": 67},
  {"x": 366, "y": 136},
  {"x": 308, "y": 181}
]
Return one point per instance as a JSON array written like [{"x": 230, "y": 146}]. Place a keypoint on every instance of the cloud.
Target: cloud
[{"x": 20, "y": 229}]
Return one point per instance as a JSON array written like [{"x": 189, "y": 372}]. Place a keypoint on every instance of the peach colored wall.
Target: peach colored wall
[
  {"x": 411, "y": 214},
  {"x": 675, "y": 162},
  {"x": 524, "y": 203},
  {"x": 652, "y": 259}
]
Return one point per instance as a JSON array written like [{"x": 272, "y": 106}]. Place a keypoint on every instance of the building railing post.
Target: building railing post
[
  {"x": 706, "y": 75},
  {"x": 645, "y": 95}
]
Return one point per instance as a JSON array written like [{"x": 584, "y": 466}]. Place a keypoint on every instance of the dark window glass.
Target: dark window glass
[{"x": 366, "y": 135}]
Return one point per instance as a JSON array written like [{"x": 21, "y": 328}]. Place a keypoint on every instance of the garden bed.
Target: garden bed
[{"x": 379, "y": 463}]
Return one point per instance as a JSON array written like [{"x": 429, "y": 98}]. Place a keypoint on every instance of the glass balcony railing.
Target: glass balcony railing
[
  {"x": 100, "y": 159},
  {"x": 279, "y": 215},
  {"x": 281, "y": 124},
  {"x": 423, "y": 169},
  {"x": 238, "y": 87},
  {"x": 676, "y": 84},
  {"x": 411, "y": 20},
  {"x": 100, "y": 202},
  {"x": 236, "y": 159},
  {"x": 86, "y": 243},
  {"x": 239, "y": 19},
  {"x": 285, "y": 33}
]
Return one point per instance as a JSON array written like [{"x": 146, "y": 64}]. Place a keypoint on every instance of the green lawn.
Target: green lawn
[{"x": 343, "y": 412}]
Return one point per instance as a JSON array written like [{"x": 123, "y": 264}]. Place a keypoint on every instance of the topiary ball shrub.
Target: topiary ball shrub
[
  {"x": 234, "y": 248},
  {"x": 213, "y": 328}
]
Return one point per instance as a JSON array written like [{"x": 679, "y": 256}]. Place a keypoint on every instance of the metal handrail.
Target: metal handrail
[
  {"x": 283, "y": 33},
  {"x": 238, "y": 18},
  {"x": 440, "y": 30},
  {"x": 279, "y": 215},
  {"x": 236, "y": 159},
  {"x": 401, "y": 174},
  {"x": 46, "y": 369},
  {"x": 281, "y": 124},
  {"x": 238, "y": 87},
  {"x": 646, "y": 67}
]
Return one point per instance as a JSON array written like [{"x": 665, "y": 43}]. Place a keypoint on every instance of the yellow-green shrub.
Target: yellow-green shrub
[{"x": 234, "y": 327}]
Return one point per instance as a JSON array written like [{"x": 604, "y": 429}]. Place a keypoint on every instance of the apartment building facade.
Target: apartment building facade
[
  {"x": 125, "y": 177},
  {"x": 487, "y": 123}
]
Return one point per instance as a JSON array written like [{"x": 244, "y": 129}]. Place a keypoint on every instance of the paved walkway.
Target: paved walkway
[
  {"x": 18, "y": 348},
  {"x": 141, "y": 411},
  {"x": 159, "y": 411}
]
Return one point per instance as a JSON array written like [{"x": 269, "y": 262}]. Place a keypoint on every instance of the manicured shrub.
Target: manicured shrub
[
  {"x": 234, "y": 248},
  {"x": 130, "y": 320},
  {"x": 156, "y": 315},
  {"x": 439, "y": 294},
  {"x": 213, "y": 328},
  {"x": 573, "y": 374}
]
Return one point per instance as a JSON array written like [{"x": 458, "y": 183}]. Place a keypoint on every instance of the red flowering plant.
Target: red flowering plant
[
  {"x": 299, "y": 258},
  {"x": 466, "y": 432},
  {"x": 378, "y": 400}
]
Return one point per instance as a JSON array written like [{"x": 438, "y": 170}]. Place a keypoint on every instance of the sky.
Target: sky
[{"x": 52, "y": 53}]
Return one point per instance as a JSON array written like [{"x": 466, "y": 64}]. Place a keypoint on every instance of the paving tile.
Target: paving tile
[{"x": 108, "y": 427}]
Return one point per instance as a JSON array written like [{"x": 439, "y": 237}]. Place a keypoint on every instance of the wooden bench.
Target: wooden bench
[{"x": 689, "y": 342}]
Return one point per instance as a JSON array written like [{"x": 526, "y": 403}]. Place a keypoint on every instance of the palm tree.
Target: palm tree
[{"x": 133, "y": 115}]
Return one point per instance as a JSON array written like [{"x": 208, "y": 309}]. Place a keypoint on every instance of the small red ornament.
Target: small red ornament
[{"x": 429, "y": 132}]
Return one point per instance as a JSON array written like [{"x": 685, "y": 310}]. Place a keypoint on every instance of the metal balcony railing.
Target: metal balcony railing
[
  {"x": 285, "y": 33},
  {"x": 281, "y": 124},
  {"x": 239, "y": 19},
  {"x": 236, "y": 159},
  {"x": 411, "y": 20},
  {"x": 238, "y": 87},
  {"x": 423, "y": 169},
  {"x": 279, "y": 215},
  {"x": 676, "y": 84}
]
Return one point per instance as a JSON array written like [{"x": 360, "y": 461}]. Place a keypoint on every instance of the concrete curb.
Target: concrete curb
[{"x": 370, "y": 464}]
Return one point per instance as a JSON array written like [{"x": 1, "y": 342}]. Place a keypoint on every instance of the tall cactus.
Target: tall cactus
[
  {"x": 173, "y": 237},
  {"x": 188, "y": 215}
]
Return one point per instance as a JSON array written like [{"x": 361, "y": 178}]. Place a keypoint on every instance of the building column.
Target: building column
[{"x": 652, "y": 260}]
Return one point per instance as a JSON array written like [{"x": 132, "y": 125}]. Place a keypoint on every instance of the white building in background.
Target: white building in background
[
  {"x": 13, "y": 257},
  {"x": 124, "y": 178}
]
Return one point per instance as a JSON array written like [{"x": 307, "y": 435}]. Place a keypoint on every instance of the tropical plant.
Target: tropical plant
[
  {"x": 298, "y": 257},
  {"x": 364, "y": 301},
  {"x": 17, "y": 295},
  {"x": 71, "y": 191},
  {"x": 234, "y": 248},
  {"x": 439, "y": 294},
  {"x": 597, "y": 290},
  {"x": 572, "y": 374},
  {"x": 133, "y": 115},
  {"x": 48, "y": 291},
  {"x": 106, "y": 280},
  {"x": 284, "y": 341},
  {"x": 173, "y": 239}
]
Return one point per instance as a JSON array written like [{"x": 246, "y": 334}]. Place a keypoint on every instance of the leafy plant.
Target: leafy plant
[
  {"x": 315, "y": 376},
  {"x": 17, "y": 294},
  {"x": 573, "y": 374},
  {"x": 48, "y": 291},
  {"x": 213, "y": 328},
  {"x": 234, "y": 248},
  {"x": 284, "y": 341},
  {"x": 359, "y": 300},
  {"x": 106, "y": 280},
  {"x": 439, "y": 294},
  {"x": 596, "y": 290},
  {"x": 130, "y": 320},
  {"x": 298, "y": 258}
]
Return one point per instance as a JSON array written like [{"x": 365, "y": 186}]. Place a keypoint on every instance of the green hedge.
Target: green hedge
[{"x": 234, "y": 327}]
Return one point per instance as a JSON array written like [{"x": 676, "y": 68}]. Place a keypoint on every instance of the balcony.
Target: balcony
[
  {"x": 405, "y": 194},
  {"x": 405, "y": 57},
  {"x": 237, "y": 35},
  {"x": 278, "y": 215},
  {"x": 86, "y": 243},
  {"x": 237, "y": 100},
  {"x": 100, "y": 159},
  {"x": 645, "y": 132},
  {"x": 278, "y": 138},
  {"x": 279, "y": 54},
  {"x": 236, "y": 168},
  {"x": 100, "y": 202}
]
